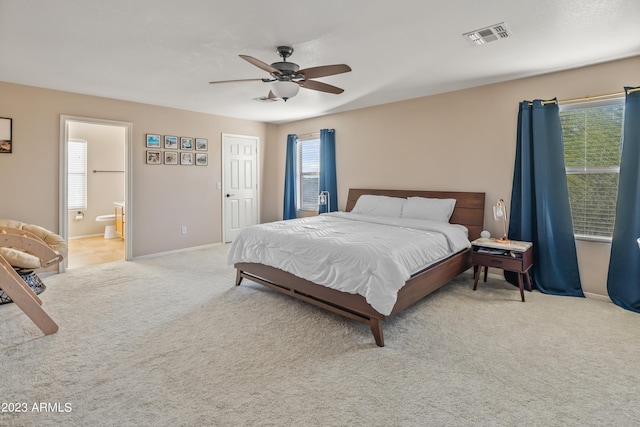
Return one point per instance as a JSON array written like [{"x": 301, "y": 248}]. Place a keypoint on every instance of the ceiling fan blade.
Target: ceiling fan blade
[
  {"x": 262, "y": 65},
  {"x": 240, "y": 80},
  {"x": 319, "y": 86},
  {"x": 324, "y": 70}
]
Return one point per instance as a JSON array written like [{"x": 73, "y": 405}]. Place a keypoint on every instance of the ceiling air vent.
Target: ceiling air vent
[{"x": 488, "y": 34}]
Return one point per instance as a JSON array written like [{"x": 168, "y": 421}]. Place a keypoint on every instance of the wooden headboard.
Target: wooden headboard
[{"x": 469, "y": 209}]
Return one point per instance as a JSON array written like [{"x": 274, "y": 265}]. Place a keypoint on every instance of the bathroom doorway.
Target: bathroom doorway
[{"x": 94, "y": 182}]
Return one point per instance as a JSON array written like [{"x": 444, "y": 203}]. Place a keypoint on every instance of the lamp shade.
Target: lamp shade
[
  {"x": 500, "y": 214},
  {"x": 285, "y": 89}
]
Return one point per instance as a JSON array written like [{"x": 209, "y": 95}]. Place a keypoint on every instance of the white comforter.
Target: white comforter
[{"x": 370, "y": 256}]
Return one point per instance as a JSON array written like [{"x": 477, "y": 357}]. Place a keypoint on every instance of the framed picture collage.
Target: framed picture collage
[{"x": 173, "y": 150}]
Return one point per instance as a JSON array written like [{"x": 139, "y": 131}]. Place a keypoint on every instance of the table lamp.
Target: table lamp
[
  {"x": 323, "y": 199},
  {"x": 500, "y": 214}
]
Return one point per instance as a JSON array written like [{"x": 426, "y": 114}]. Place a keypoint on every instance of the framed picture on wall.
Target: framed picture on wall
[
  {"x": 6, "y": 145},
  {"x": 170, "y": 157},
  {"x": 201, "y": 159},
  {"x": 153, "y": 140},
  {"x": 154, "y": 157},
  {"x": 186, "y": 158},
  {"x": 186, "y": 143},
  {"x": 171, "y": 142},
  {"x": 202, "y": 144}
]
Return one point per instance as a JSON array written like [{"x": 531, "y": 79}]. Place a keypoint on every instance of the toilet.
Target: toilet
[{"x": 110, "y": 225}]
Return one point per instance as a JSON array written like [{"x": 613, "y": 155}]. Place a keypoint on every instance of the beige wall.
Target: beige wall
[
  {"x": 463, "y": 140},
  {"x": 164, "y": 197}
]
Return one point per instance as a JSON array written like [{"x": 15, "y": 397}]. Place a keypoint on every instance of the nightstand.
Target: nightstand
[{"x": 513, "y": 256}]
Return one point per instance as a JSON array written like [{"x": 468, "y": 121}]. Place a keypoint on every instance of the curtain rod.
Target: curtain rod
[
  {"x": 590, "y": 98},
  {"x": 305, "y": 135},
  {"x": 595, "y": 97},
  {"x": 96, "y": 171}
]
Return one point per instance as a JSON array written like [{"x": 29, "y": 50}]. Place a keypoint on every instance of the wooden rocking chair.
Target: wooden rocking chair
[{"x": 16, "y": 288}]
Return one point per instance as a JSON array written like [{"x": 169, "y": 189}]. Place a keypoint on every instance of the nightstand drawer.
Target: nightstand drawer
[{"x": 503, "y": 262}]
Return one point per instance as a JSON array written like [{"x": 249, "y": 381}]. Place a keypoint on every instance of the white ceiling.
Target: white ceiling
[{"x": 164, "y": 52}]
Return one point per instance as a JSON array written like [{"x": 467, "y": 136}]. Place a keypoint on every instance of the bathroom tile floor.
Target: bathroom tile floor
[{"x": 94, "y": 250}]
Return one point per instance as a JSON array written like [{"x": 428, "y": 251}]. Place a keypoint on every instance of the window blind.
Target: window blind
[
  {"x": 308, "y": 157},
  {"x": 77, "y": 174},
  {"x": 592, "y": 137}
]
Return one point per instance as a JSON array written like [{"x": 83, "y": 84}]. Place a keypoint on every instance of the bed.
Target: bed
[{"x": 468, "y": 211}]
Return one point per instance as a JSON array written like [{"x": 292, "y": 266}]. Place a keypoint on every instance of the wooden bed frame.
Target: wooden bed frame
[{"x": 469, "y": 211}]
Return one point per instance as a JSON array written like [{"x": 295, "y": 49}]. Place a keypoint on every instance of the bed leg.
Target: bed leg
[
  {"x": 238, "y": 278},
  {"x": 376, "y": 329}
]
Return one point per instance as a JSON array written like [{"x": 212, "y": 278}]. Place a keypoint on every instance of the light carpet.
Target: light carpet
[{"x": 170, "y": 341}]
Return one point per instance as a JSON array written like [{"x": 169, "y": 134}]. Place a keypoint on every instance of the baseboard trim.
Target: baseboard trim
[
  {"x": 176, "y": 251},
  {"x": 598, "y": 297},
  {"x": 586, "y": 294},
  {"x": 86, "y": 236}
]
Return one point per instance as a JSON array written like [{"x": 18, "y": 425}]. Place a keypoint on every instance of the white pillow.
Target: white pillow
[
  {"x": 431, "y": 209},
  {"x": 368, "y": 204}
]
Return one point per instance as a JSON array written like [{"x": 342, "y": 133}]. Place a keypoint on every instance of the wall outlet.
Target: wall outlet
[{"x": 183, "y": 229}]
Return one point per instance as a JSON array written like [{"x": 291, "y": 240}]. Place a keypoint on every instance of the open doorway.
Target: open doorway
[{"x": 94, "y": 192}]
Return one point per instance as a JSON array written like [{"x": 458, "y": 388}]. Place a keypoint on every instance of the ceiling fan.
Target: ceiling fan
[{"x": 288, "y": 78}]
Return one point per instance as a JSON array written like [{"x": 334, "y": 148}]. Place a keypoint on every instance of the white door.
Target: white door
[{"x": 240, "y": 184}]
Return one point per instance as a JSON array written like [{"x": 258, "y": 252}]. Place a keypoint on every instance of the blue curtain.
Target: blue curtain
[
  {"x": 328, "y": 180},
  {"x": 540, "y": 210},
  {"x": 623, "y": 281},
  {"x": 290, "y": 210}
]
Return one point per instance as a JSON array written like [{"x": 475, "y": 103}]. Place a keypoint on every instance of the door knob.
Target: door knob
[{"x": 229, "y": 195}]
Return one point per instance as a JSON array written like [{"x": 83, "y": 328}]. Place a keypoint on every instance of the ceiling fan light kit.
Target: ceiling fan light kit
[
  {"x": 285, "y": 89},
  {"x": 288, "y": 78}
]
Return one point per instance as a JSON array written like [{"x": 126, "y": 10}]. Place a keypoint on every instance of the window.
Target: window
[
  {"x": 77, "y": 174},
  {"x": 308, "y": 170},
  {"x": 592, "y": 134}
]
